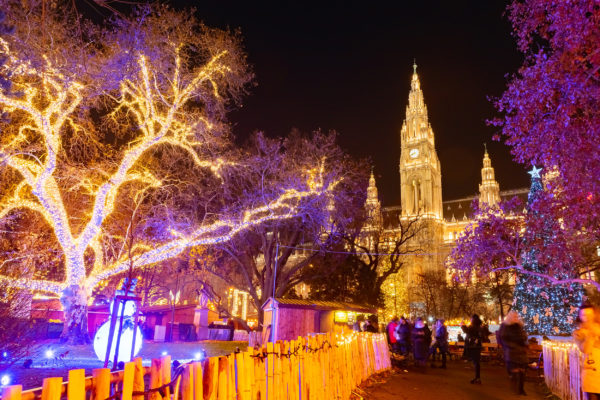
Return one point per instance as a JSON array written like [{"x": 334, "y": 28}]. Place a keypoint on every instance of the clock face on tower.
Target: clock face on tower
[{"x": 414, "y": 153}]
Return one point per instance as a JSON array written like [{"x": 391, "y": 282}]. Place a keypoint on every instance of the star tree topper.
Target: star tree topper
[{"x": 535, "y": 172}]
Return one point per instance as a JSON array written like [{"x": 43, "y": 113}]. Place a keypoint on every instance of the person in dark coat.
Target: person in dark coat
[
  {"x": 513, "y": 339},
  {"x": 440, "y": 334},
  {"x": 402, "y": 333},
  {"x": 369, "y": 327},
  {"x": 473, "y": 345},
  {"x": 420, "y": 342}
]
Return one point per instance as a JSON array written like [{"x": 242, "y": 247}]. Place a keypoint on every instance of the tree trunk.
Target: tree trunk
[{"x": 75, "y": 330}]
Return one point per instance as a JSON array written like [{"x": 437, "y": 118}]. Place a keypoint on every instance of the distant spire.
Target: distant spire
[
  {"x": 489, "y": 190},
  {"x": 414, "y": 65}
]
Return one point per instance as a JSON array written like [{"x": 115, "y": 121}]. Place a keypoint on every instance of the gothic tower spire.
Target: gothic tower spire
[
  {"x": 420, "y": 172},
  {"x": 372, "y": 204},
  {"x": 489, "y": 189}
]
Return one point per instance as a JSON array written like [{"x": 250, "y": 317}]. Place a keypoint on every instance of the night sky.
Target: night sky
[{"x": 347, "y": 66}]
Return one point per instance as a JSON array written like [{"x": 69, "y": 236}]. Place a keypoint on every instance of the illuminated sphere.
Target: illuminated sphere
[
  {"x": 101, "y": 342},
  {"x": 127, "y": 311}
]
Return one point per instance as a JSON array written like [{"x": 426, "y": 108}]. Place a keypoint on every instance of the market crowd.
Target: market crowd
[{"x": 415, "y": 340}]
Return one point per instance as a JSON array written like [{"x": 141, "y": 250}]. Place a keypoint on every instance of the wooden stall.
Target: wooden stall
[{"x": 286, "y": 319}]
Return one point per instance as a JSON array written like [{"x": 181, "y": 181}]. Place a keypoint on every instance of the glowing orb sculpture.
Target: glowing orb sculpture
[
  {"x": 101, "y": 342},
  {"x": 126, "y": 311}
]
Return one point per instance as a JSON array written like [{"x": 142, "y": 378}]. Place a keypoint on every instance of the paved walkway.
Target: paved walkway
[{"x": 451, "y": 384}]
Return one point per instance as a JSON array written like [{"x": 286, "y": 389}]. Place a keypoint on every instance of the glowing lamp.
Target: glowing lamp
[
  {"x": 198, "y": 356},
  {"x": 49, "y": 353},
  {"x": 101, "y": 342},
  {"x": 5, "y": 380},
  {"x": 164, "y": 353}
]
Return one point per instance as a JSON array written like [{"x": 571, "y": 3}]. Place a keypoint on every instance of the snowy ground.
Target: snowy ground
[{"x": 72, "y": 357}]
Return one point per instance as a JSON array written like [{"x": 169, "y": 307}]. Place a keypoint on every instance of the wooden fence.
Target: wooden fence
[
  {"x": 562, "y": 369},
  {"x": 320, "y": 367}
]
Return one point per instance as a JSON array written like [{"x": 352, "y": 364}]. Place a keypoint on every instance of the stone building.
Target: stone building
[{"x": 442, "y": 221}]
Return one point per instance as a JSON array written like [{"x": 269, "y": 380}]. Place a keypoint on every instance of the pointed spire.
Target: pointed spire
[
  {"x": 372, "y": 195},
  {"x": 414, "y": 65},
  {"x": 372, "y": 204},
  {"x": 489, "y": 190}
]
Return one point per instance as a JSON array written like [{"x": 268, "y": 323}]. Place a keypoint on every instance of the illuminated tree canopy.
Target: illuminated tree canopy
[{"x": 96, "y": 118}]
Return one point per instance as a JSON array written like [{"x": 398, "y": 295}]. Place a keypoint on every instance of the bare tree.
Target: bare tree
[
  {"x": 271, "y": 258},
  {"x": 118, "y": 110}
]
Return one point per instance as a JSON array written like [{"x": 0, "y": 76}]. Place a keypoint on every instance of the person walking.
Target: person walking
[
  {"x": 402, "y": 334},
  {"x": 441, "y": 342},
  {"x": 389, "y": 331},
  {"x": 420, "y": 342},
  {"x": 473, "y": 345},
  {"x": 513, "y": 339},
  {"x": 587, "y": 337}
]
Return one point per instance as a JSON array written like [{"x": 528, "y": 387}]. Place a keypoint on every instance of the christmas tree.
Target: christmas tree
[{"x": 546, "y": 309}]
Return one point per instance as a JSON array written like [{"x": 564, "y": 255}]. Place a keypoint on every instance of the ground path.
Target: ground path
[{"x": 451, "y": 384}]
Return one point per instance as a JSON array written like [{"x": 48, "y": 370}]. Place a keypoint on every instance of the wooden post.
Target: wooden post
[
  {"x": 277, "y": 372},
  {"x": 250, "y": 373},
  {"x": 243, "y": 382},
  {"x": 231, "y": 376},
  {"x": 285, "y": 370},
  {"x": 198, "y": 382},
  {"x": 187, "y": 383},
  {"x": 302, "y": 368},
  {"x": 294, "y": 387},
  {"x": 223, "y": 379},
  {"x": 270, "y": 367},
  {"x": 138, "y": 378},
  {"x": 52, "y": 388},
  {"x": 128, "y": 378},
  {"x": 12, "y": 392},
  {"x": 211, "y": 383},
  {"x": 165, "y": 366},
  {"x": 76, "y": 385},
  {"x": 176, "y": 386},
  {"x": 155, "y": 379},
  {"x": 101, "y": 384},
  {"x": 261, "y": 375}
]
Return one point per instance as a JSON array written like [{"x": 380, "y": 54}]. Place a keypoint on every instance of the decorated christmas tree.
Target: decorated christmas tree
[{"x": 546, "y": 309}]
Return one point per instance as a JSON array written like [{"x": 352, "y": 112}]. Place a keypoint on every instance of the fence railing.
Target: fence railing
[
  {"x": 320, "y": 367},
  {"x": 562, "y": 369}
]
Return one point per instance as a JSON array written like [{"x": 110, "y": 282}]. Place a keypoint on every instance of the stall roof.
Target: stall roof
[
  {"x": 166, "y": 308},
  {"x": 321, "y": 305}
]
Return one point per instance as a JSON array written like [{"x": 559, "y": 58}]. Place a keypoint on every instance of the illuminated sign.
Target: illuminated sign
[{"x": 340, "y": 316}]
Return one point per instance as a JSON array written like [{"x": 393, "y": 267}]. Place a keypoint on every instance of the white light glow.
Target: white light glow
[
  {"x": 5, "y": 380},
  {"x": 101, "y": 343},
  {"x": 49, "y": 353}
]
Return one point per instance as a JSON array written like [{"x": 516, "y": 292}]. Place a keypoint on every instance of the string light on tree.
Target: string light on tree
[
  {"x": 545, "y": 309},
  {"x": 45, "y": 99}
]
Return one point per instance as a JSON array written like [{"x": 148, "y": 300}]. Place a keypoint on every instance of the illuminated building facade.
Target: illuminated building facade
[{"x": 421, "y": 192}]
